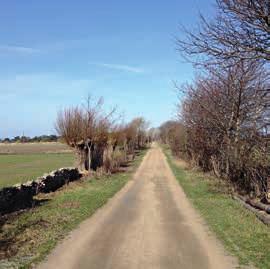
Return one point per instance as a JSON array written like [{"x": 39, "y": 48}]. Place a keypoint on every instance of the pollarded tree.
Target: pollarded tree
[
  {"x": 141, "y": 126},
  {"x": 136, "y": 134},
  {"x": 87, "y": 130}
]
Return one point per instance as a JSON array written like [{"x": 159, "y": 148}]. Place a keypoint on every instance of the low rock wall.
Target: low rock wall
[{"x": 21, "y": 196}]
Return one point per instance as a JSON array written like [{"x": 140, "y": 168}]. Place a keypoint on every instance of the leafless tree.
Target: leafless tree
[
  {"x": 97, "y": 137},
  {"x": 222, "y": 114},
  {"x": 87, "y": 129},
  {"x": 173, "y": 133},
  {"x": 240, "y": 30}
]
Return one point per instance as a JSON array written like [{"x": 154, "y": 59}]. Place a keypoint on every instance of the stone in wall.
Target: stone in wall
[
  {"x": 56, "y": 179},
  {"x": 15, "y": 198}
]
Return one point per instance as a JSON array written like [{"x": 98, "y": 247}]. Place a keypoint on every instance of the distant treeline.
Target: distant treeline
[{"x": 26, "y": 139}]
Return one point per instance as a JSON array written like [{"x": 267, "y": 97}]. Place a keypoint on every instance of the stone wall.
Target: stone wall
[{"x": 22, "y": 196}]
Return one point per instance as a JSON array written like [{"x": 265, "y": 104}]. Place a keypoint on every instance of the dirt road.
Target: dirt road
[{"x": 149, "y": 224}]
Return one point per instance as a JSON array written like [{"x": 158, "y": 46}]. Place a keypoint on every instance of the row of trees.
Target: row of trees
[
  {"x": 224, "y": 117},
  {"x": 98, "y": 138},
  {"x": 27, "y": 139},
  {"x": 173, "y": 134}
]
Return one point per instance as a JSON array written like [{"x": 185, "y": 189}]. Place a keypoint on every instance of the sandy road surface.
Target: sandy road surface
[{"x": 149, "y": 224}]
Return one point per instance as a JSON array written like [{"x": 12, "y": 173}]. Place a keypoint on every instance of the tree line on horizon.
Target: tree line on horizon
[
  {"x": 224, "y": 115},
  {"x": 28, "y": 139}
]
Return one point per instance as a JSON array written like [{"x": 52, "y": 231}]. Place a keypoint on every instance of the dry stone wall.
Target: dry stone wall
[{"x": 21, "y": 196}]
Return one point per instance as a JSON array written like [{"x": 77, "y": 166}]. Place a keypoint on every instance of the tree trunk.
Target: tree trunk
[
  {"x": 215, "y": 166},
  {"x": 267, "y": 194},
  {"x": 80, "y": 156},
  {"x": 89, "y": 157}
]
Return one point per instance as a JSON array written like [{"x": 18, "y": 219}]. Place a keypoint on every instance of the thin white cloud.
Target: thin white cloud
[
  {"x": 17, "y": 49},
  {"x": 121, "y": 67},
  {"x": 64, "y": 45},
  {"x": 44, "y": 48}
]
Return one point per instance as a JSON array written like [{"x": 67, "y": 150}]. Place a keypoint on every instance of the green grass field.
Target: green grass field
[
  {"x": 242, "y": 234},
  {"x": 27, "y": 238},
  {"x": 19, "y": 168}
]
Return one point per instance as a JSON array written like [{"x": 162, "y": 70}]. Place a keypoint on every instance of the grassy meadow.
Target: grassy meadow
[
  {"x": 242, "y": 234},
  {"x": 22, "y": 162}
]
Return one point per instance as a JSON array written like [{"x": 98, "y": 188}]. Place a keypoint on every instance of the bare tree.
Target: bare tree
[
  {"x": 87, "y": 129},
  {"x": 153, "y": 134},
  {"x": 173, "y": 133},
  {"x": 136, "y": 134},
  {"x": 223, "y": 116},
  {"x": 240, "y": 30},
  {"x": 97, "y": 137}
]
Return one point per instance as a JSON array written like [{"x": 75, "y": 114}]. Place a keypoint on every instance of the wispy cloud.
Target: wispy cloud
[
  {"x": 17, "y": 49},
  {"x": 121, "y": 67},
  {"x": 43, "y": 48}
]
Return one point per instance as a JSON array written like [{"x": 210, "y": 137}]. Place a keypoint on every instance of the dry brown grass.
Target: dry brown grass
[{"x": 183, "y": 164}]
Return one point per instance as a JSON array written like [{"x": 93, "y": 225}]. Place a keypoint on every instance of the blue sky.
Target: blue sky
[{"x": 53, "y": 53}]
